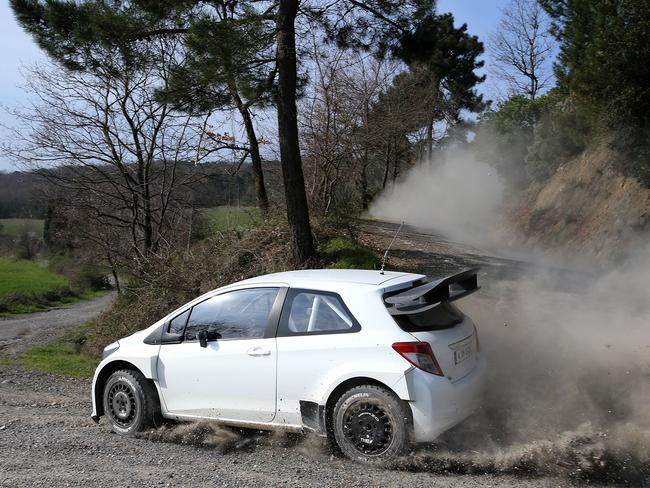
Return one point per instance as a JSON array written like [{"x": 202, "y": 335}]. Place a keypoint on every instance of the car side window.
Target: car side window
[
  {"x": 177, "y": 324},
  {"x": 240, "y": 314},
  {"x": 313, "y": 312}
]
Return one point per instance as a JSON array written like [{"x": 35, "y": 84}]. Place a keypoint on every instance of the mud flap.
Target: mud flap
[{"x": 313, "y": 416}]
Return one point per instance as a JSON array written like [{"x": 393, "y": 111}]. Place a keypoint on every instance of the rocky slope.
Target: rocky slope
[{"x": 587, "y": 207}]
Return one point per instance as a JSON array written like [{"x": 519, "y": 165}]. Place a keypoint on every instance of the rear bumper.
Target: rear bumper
[{"x": 438, "y": 404}]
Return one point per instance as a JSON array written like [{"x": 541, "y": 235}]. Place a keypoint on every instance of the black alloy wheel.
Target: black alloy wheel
[
  {"x": 368, "y": 427},
  {"x": 370, "y": 424}
]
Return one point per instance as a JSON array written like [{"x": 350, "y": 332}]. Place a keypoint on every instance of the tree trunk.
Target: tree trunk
[
  {"x": 256, "y": 159},
  {"x": 302, "y": 243},
  {"x": 116, "y": 278},
  {"x": 147, "y": 224},
  {"x": 149, "y": 246},
  {"x": 387, "y": 167},
  {"x": 429, "y": 149},
  {"x": 363, "y": 183}
]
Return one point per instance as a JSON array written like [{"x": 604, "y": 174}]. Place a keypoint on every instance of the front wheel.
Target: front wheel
[
  {"x": 371, "y": 425},
  {"x": 130, "y": 402}
]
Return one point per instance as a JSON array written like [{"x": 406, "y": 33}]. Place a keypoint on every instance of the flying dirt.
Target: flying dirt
[{"x": 568, "y": 345}]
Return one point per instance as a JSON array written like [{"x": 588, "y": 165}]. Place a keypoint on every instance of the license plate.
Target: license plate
[{"x": 463, "y": 353}]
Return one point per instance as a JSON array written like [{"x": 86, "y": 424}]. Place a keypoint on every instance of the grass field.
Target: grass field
[
  {"x": 28, "y": 286},
  {"x": 13, "y": 227},
  {"x": 63, "y": 357},
  {"x": 19, "y": 277},
  {"x": 219, "y": 219}
]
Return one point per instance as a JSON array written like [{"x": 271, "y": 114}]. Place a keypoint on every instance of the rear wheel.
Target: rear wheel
[
  {"x": 371, "y": 425},
  {"x": 130, "y": 402}
]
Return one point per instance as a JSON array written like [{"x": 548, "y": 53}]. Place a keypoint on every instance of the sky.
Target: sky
[{"x": 481, "y": 17}]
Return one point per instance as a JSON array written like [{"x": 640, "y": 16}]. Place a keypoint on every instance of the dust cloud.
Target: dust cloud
[
  {"x": 223, "y": 439},
  {"x": 569, "y": 380},
  {"x": 568, "y": 390},
  {"x": 455, "y": 193},
  {"x": 569, "y": 352},
  {"x": 200, "y": 434}
]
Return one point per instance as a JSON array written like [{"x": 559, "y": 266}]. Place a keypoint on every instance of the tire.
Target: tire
[
  {"x": 130, "y": 402},
  {"x": 371, "y": 425}
]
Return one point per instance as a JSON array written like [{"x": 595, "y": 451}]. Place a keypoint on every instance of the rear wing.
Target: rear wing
[{"x": 433, "y": 293}]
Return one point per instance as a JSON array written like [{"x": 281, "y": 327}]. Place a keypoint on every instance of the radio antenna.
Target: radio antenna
[{"x": 383, "y": 260}]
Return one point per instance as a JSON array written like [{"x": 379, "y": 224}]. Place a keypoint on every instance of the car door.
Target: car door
[
  {"x": 316, "y": 334},
  {"x": 234, "y": 376}
]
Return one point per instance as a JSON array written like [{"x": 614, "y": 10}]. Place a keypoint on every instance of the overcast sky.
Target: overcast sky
[{"x": 481, "y": 17}]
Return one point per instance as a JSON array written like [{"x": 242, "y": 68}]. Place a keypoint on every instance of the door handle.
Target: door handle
[{"x": 258, "y": 351}]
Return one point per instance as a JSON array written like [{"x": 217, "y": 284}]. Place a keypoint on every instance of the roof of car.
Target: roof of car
[{"x": 356, "y": 276}]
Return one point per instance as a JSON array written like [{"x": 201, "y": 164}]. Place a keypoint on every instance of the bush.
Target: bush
[
  {"x": 82, "y": 275},
  {"x": 633, "y": 144},
  {"x": 214, "y": 262},
  {"x": 561, "y": 132},
  {"x": 172, "y": 281},
  {"x": 527, "y": 140}
]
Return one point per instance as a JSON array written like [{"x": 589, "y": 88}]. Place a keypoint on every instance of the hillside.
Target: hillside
[{"x": 587, "y": 206}]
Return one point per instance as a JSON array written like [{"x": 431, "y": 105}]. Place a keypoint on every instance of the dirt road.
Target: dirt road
[
  {"x": 22, "y": 331},
  {"x": 48, "y": 439}
]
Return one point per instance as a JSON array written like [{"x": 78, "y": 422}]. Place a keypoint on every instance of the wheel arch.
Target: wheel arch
[
  {"x": 352, "y": 383},
  {"x": 104, "y": 374}
]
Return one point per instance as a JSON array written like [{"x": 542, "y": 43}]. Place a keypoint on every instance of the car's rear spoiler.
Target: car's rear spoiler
[{"x": 433, "y": 293}]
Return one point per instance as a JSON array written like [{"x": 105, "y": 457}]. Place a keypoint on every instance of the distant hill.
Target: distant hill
[{"x": 23, "y": 194}]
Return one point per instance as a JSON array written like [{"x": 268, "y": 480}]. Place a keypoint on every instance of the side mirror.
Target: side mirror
[{"x": 203, "y": 338}]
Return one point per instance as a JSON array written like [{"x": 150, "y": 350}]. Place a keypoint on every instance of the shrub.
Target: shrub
[
  {"x": 217, "y": 261},
  {"x": 81, "y": 274},
  {"x": 561, "y": 132}
]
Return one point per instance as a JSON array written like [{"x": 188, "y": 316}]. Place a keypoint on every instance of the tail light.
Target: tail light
[{"x": 420, "y": 355}]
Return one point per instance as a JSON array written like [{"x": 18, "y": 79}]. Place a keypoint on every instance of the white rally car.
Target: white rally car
[{"x": 373, "y": 360}]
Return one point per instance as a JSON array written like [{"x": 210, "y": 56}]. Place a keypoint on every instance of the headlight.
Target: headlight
[{"x": 110, "y": 349}]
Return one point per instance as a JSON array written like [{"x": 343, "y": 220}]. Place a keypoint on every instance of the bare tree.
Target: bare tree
[
  {"x": 336, "y": 129},
  {"x": 118, "y": 156},
  {"x": 324, "y": 132},
  {"x": 28, "y": 242},
  {"x": 522, "y": 47},
  {"x": 354, "y": 128}
]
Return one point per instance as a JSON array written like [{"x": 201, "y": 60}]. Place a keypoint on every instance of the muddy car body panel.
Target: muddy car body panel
[{"x": 278, "y": 351}]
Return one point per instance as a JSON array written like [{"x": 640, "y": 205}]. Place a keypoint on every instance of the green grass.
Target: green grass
[
  {"x": 350, "y": 255},
  {"x": 14, "y": 227},
  {"x": 219, "y": 219},
  {"x": 63, "y": 357},
  {"x": 20, "y": 277},
  {"x": 28, "y": 286}
]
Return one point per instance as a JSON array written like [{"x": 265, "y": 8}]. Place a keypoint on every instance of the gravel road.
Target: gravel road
[
  {"x": 48, "y": 439},
  {"x": 26, "y": 330}
]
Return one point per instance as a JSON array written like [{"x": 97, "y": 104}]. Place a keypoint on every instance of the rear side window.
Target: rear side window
[
  {"x": 313, "y": 312},
  {"x": 444, "y": 316},
  {"x": 238, "y": 314}
]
